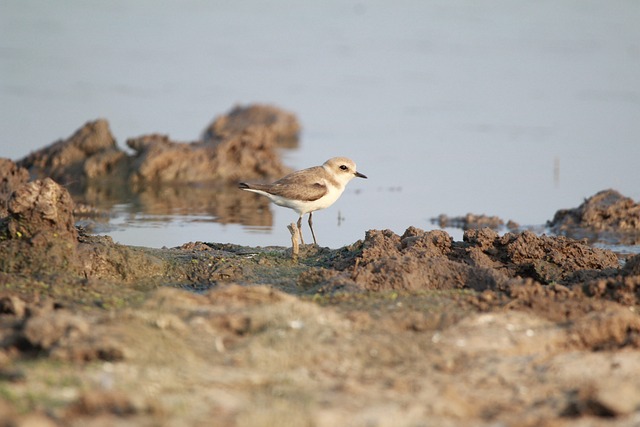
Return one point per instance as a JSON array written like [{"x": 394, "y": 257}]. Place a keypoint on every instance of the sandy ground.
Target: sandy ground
[{"x": 253, "y": 338}]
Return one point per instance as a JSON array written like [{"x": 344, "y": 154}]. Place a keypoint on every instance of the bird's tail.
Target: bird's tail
[{"x": 244, "y": 186}]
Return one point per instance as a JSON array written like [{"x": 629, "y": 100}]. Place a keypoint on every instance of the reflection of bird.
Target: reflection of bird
[{"x": 309, "y": 190}]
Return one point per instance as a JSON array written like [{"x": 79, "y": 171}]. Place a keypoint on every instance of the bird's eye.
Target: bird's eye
[{"x": 344, "y": 167}]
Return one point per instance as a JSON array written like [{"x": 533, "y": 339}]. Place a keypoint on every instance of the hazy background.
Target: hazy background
[{"x": 448, "y": 106}]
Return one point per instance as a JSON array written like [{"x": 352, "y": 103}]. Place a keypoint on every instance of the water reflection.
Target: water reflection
[{"x": 222, "y": 203}]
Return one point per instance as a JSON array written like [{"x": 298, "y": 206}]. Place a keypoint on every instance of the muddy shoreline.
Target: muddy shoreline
[{"x": 513, "y": 329}]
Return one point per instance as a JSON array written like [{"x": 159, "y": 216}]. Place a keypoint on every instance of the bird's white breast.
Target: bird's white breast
[{"x": 303, "y": 206}]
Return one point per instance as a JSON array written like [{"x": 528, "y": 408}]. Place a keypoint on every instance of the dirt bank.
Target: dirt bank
[
  {"x": 607, "y": 216},
  {"x": 393, "y": 330},
  {"x": 240, "y": 143}
]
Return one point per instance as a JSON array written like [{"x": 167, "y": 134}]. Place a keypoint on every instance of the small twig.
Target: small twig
[
  {"x": 354, "y": 274},
  {"x": 295, "y": 236}
]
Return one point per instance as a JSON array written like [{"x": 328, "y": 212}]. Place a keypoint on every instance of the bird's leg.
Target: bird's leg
[
  {"x": 300, "y": 229},
  {"x": 311, "y": 227}
]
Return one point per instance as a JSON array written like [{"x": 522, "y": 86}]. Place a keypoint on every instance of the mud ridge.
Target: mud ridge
[{"x": 240, "y": 143}]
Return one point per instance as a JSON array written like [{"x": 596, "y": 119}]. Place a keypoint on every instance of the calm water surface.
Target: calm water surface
[{"x": 507, "y": 108}]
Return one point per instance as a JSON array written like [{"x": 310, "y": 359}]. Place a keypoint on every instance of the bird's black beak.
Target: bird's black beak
[{"x": 359, "y": 175}]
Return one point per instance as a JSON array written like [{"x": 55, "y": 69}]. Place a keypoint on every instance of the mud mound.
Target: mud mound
[
  {"x": 39, "y": 232},
  {"x": 241, "y": 144},
  {"x": 249, "y": 154},
  {"x": 484, "y": 260},
  {"x": 632, "y": 266},
  {"x": 607, "y": 214},
  {"x": 606, "y": 210},
  {"x": 622, "y": 289},
  {"x": 89, "y": 153},
  {"x": 417, "y": 260},
  {"x": 12, "y": 176},
  {"x": 39, "y": 237},
  {"x": 472, "y": 221},
  {"x": 41, "y": 207},
  {"x": 546, "y": 259},
  {"x": 157, "y": 159},
  {"x": 282, "y": 125}
]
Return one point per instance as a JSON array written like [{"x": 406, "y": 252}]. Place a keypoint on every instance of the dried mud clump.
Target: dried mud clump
[
  {"x": 241, "y": 144},
  {"x": 250, "y": 154},
  {"x": 632, "y": 266},
  {"x": 283, "y": 126},
  {"x": 607, "y": 212},
  {"x": 157, "y": 159},
  {"x": 90, "y": 153},
  {"x": 484, "y": 260},
  {"x": 38, "y": 233},
  {"x": 472, "y": 221},
  {"x": 12, "y": 176},
  {"x": 543, "y": 258},
  {"x": 38, "y": 237},
  {"x": 41, "y": 207},
  {"x": 414, "y": 261},
  {"x": 623, "y": 288}
]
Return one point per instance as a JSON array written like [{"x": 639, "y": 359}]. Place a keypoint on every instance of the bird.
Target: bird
[{"x": 308, "y": 190}]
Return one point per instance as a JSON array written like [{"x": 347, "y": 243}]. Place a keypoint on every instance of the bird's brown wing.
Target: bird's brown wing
[{"x": 302, "y": 184}]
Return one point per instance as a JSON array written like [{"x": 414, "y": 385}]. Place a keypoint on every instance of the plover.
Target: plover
[{"x": 309, "y": 190}]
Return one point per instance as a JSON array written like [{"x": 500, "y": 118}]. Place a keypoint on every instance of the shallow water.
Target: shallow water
[{"x": 506, "y": 108}]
